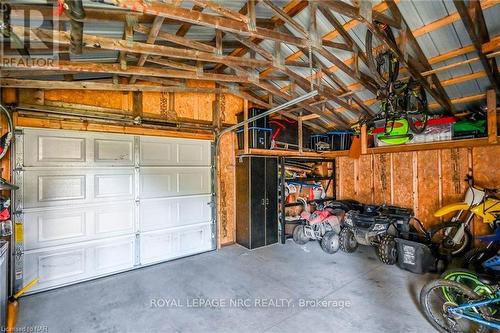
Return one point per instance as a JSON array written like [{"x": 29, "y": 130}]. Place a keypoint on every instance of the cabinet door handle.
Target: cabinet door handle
[
  {"x": 267, "y": 201},
  {"x": 263, "y": 202}
]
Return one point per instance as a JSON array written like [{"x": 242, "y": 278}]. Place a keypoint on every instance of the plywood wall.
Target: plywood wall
[{"x": 423, "y": 180}]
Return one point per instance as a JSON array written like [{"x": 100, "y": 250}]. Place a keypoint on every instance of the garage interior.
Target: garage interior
[{"x": 246, "y": 165}]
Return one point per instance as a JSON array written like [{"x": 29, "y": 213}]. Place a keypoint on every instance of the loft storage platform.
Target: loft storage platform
[{"x": 464, "y": 143}]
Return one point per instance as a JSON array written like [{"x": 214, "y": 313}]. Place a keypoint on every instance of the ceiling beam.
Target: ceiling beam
[
  {"x": 89, "y": 85},
  {"x": 152, "y": 35},
  {"x": 207, "y": 20},
  {"x": 478, "y": 33},
  {"x": 354, "y": 12},
  {"x": 72, "y": 66},
  {"x": 141, "y": 48},
  {"x": 174, "y": 38}
]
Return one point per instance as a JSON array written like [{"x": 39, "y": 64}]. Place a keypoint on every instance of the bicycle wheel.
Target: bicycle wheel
[
  {"x": 469, "y": 279},
  {"x": 436, "y": 307},
  {"x": 381, "y": 61},
  {"x": 416, "y": 108}
]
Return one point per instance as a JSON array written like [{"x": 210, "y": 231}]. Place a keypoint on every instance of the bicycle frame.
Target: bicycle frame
[{"x": 460, "y": 311}]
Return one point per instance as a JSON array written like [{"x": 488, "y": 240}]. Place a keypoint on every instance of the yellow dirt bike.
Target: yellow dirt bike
[{"x": 454, "y": 235}]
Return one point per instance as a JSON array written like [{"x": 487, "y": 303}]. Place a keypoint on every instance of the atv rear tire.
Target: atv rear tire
[
  {"x": 387, "y": 251},
  {"x": 347, "y": 241},
  {"x": 330, "y": 242},
  {"x": 299, "y": 236}
]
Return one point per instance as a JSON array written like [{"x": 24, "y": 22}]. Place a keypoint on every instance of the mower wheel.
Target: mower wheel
[
  {"x": 387, "y": 251},
  {"x": 330, "y": 242},
  {"x": 299, "y": 236},
  {"x": 347, "y": 241}
]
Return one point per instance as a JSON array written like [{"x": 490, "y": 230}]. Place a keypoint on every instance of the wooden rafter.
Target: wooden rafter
[
  {"x": 208, "y": 20},
  {"x": 71, "y": 66},
  {"x": 152, "y": 35},
  {"x": 141, "y": 48},
  {"x": 176, "y": 39},
  {"x": 478, "y": 33}
]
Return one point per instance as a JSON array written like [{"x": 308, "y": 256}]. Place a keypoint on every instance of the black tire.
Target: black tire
[
  {"x": 433, "y": 315},
  {"x": 299, "y": 236},
  {"x": 347, "y": 241},
  {"x": 330, "y": 242},
  {"x": 373, "y": 63},
  {"x": 416, "y": 107},
  {"x": 387, "y": 251},
  {"x": 442, "y": 235},
  {"x": 474, "y": 258}
]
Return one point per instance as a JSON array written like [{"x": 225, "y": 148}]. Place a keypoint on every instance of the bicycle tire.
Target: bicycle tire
[
  {"x": 421, "y": 114},
  {"x": 425, "y": 305},
  {"x": 371, "y": 57}
]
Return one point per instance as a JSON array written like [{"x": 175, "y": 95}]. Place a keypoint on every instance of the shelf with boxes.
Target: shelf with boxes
[{"x": 309, "y": 181}]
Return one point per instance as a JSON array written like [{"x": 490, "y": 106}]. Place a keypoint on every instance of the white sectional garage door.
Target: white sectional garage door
[{"x": 96, "y": 204}]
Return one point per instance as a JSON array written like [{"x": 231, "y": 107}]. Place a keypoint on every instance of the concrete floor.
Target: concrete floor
[{"x": 376, "y": 297}]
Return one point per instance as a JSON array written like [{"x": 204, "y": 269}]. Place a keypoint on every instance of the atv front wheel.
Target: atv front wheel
[
  {"x": 330, "y": 242},
  {"x": 347, "y": 241},
  {"x": 387, "y": 251},
  {"x": 299, "y": 235}
]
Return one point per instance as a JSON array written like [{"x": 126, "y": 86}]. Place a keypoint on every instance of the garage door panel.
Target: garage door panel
[
  {"x": 60, "y": 149},
  {"x": 62, "y": 265},
  {"x": 113, "y": 219},
  {"x": 69, "y": 186},
  {"x": 170, "y": 182},
  {"x": 114, "y": 151},
  {"x": 65, "y": 148},
  {"x": 52, "y": 227},
  {"x": 163, "y": 245},
  {"x": 114, "y": 185},
  {"x": 159, "y": 214},
  {"x": 115, "y": 256},
  {"x": 171, "y": 152},
  {"x": 60, "y": 188}
]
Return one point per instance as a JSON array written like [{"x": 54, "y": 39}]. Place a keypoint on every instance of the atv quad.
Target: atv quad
[{"x": 376, "y": 226}]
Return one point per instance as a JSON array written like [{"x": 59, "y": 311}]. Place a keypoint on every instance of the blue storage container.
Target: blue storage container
[
  {"x": 319, "y": 142},
  {"x": 340, "y": 140}
]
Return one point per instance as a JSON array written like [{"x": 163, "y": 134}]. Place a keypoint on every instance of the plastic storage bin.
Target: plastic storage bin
[
  {"x": 252, "y": 112},
  {"x": 439, "y": 129},
  {"x": 340, "y": 140},
  {"x": 414, "y": 257},
  {"x": 315, "y": 139},
  {"x": 258, "y": 137}
]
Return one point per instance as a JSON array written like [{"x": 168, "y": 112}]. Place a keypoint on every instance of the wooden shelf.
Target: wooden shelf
[
  {"x": 464, "y": 143},
  {"x": 293, "y": 204},
  {"x": 306, "y": 179},
  {"x": 293, "y": 153}
]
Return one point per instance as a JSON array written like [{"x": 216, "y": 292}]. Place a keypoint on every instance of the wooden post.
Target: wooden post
[
  {"x": 245, "y": 127},
  {"x": 299, "y": 125},
  {"x": 364, "y": 140},
  {"x": 491, "y": 102}
]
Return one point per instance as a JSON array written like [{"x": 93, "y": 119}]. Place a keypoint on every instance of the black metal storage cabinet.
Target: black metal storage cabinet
[{"x": 256, "y": 201}]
